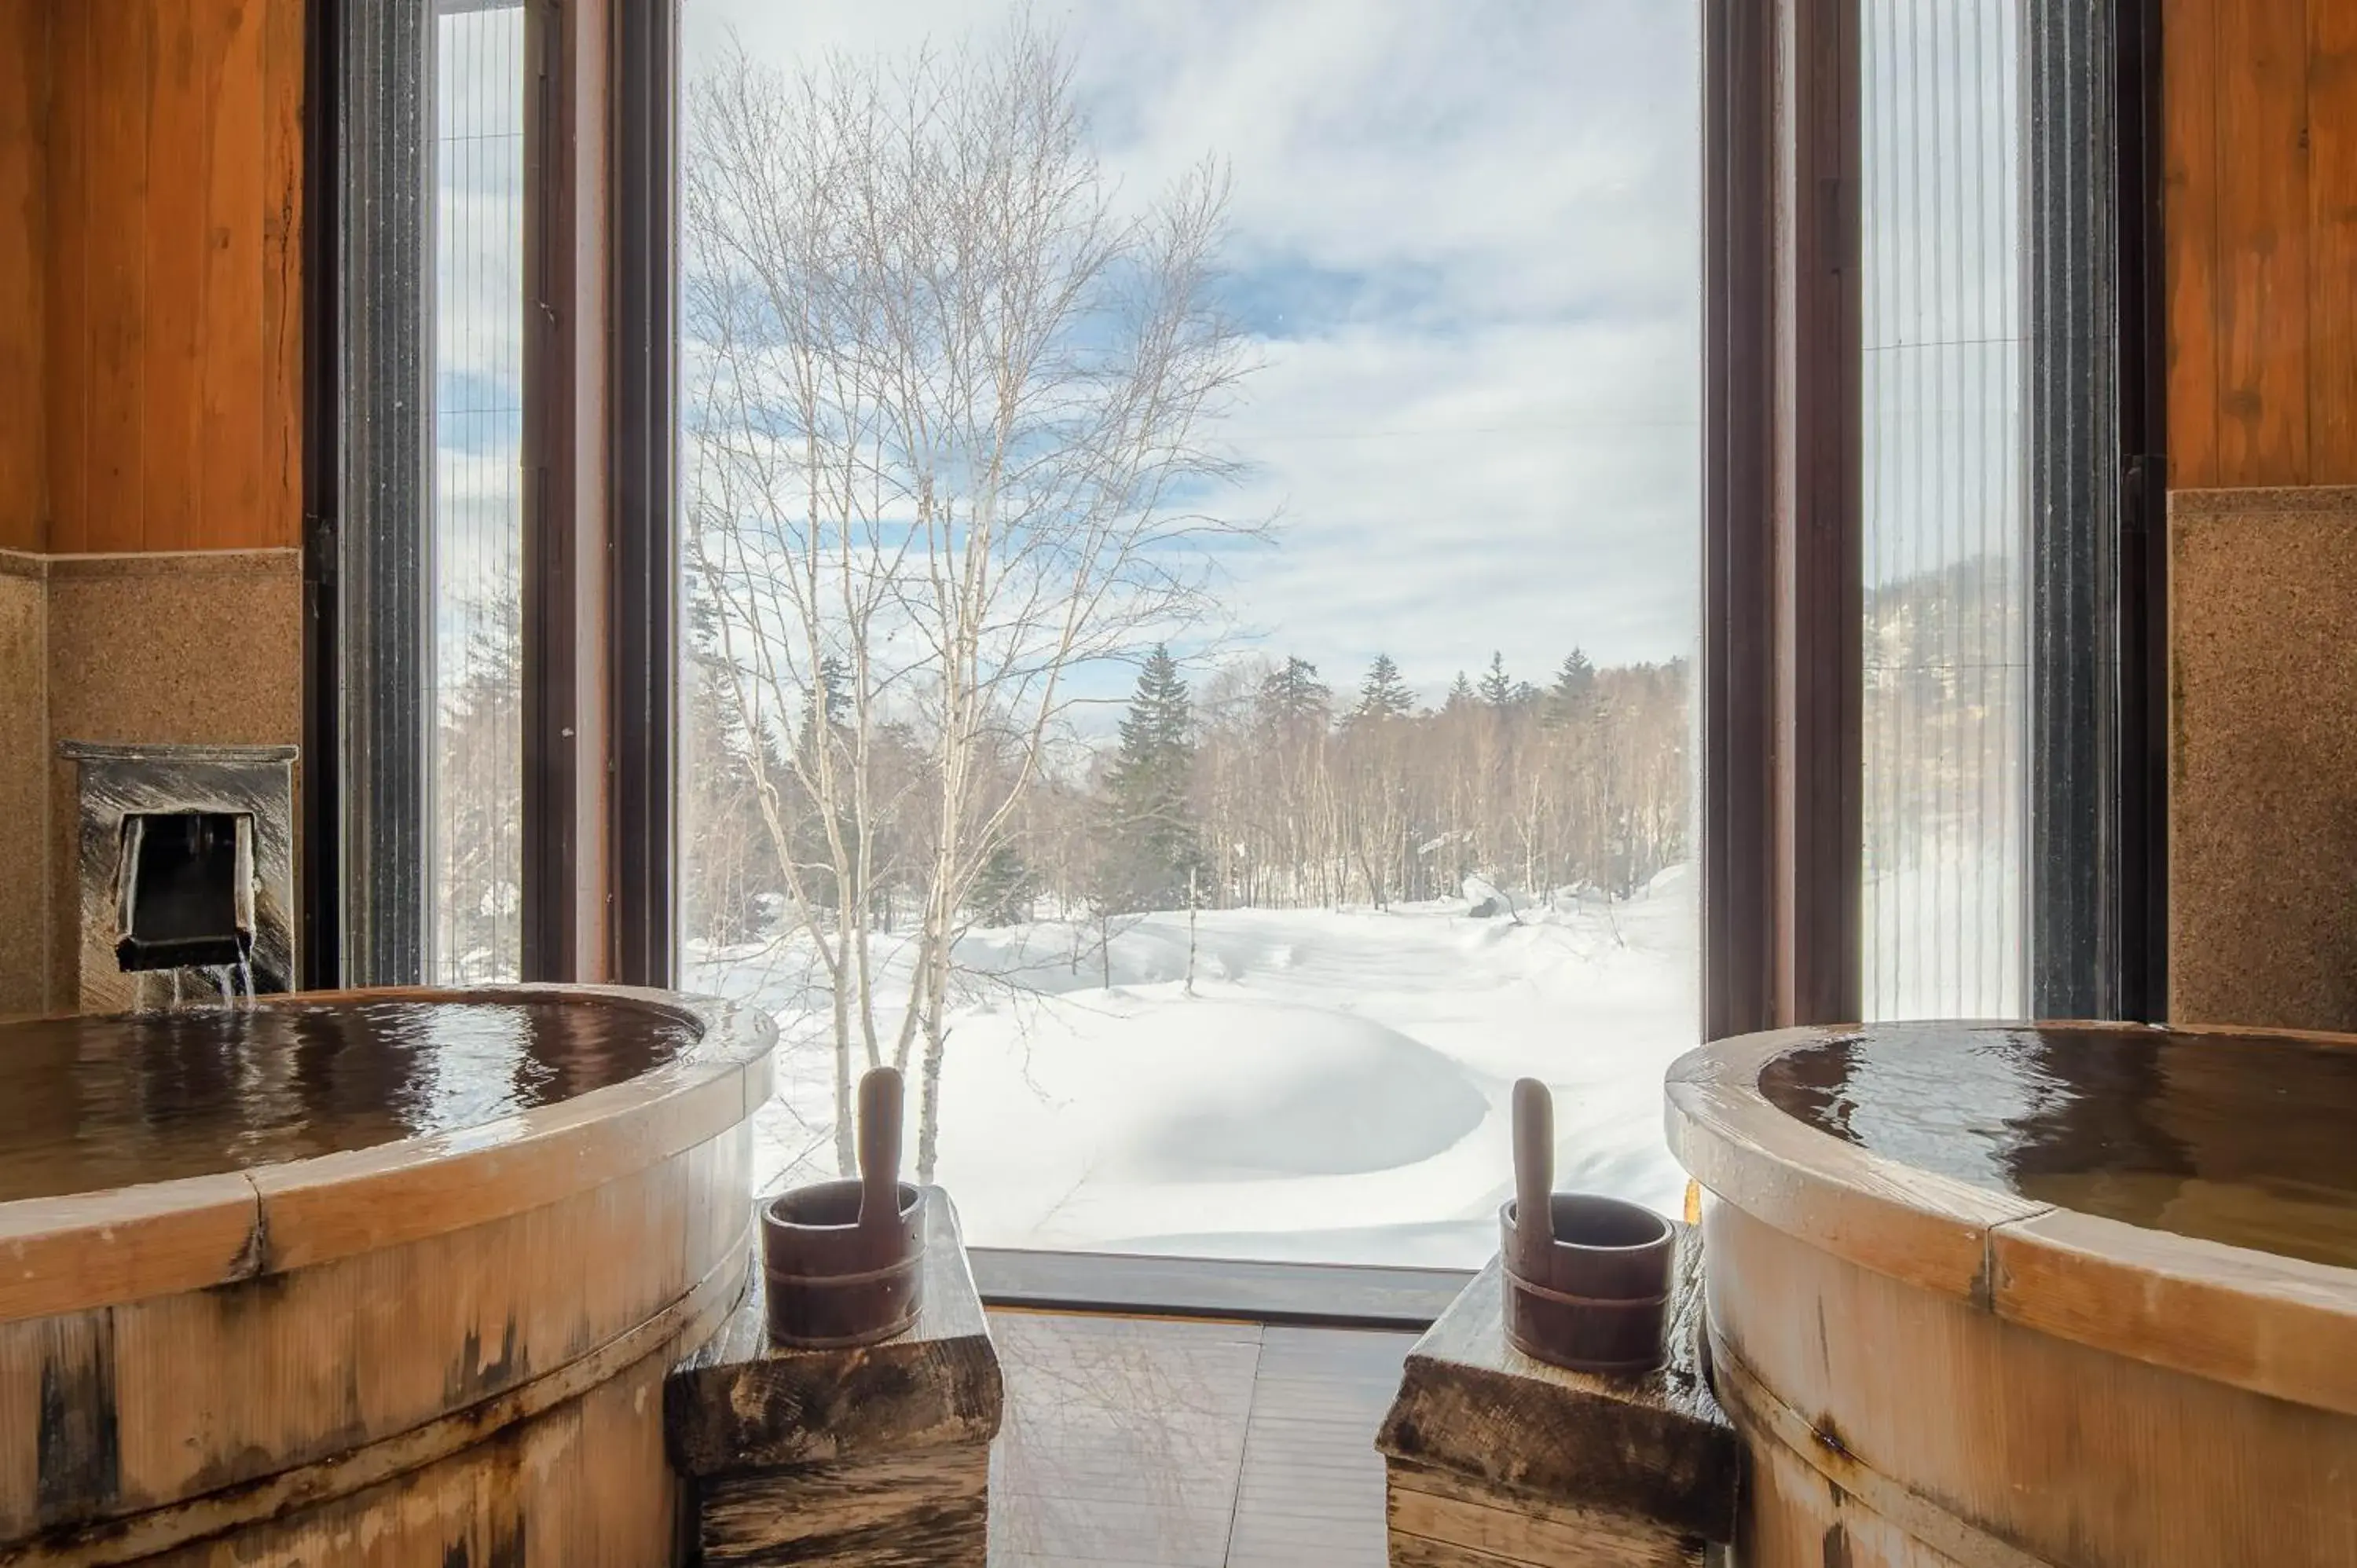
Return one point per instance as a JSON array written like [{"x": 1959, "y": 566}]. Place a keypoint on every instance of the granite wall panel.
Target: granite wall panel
[
  {"x": 2263, "y": 757},
  {"x": 194, "y": 647},
  {"x": 23, "y": 787}
]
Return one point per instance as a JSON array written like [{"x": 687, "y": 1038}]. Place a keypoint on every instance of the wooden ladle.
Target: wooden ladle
[
  {"x": 844, "y": 1260},
  {"x": 1588, "y": 1277},
  {"x": 881, "y": 1100},
  {"x": 1534, "y": 1178}
]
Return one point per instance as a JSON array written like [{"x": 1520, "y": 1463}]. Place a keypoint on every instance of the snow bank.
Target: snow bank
[{"x": 1336, "y": 1087}]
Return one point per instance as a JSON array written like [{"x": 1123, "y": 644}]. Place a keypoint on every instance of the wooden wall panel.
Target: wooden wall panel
[
  {"x": 2333, "y": 238},
  {"x": 2261, "y": 255},
  {"x": 2189, "y": 220},
  {"x": 118, "y": 43},
  {"x": 67, "y": 403},
  {"x": 2261, "y": 148},
  {"x": 176, "y": 104},
  {"x": 173, "y": 351},
  {"x": 24, "y": 228},
  {"x": 278, "y": 518}
]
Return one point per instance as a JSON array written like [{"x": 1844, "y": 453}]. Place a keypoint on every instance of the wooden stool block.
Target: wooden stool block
[
  {"x": 872, "y": 1457},
  {"x": 1497, "y": 1459}
]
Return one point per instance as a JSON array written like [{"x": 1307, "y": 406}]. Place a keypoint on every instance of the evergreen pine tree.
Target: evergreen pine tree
[
  {"x": 1151, "y": 844},
  {"x": 1461, "y": 696},
  {"x": 1383, "y": 694},
  {"x": 1294, "y": 698},
  {"x": 826, "y": 696},
  {"x": 826, "y": 722},
  {"x": 1497, "y": 687},
  {"x": 478, "y": 844},
  {"x": 1001, "y": 894},
  {"x": 730, "y": 880},
  {"x": 1573, "y": 693}
]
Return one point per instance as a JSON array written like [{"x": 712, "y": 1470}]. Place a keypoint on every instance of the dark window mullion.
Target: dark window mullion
[{"x": 383, "y": 455}]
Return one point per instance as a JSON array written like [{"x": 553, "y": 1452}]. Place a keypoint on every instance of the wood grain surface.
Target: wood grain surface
[
  {"x": 873, "y": 1456},
  {"x": 1653, "y": 1451},
  {"x": 2266, "y": 1324},
  {"x": 1913, "y": 1225},
  {"x": 1437, "y": 1516},
  {"x": 1311, "y": 1486},
  {"x": 2260, "y": 223},
  {"x": 24, "y": 245},
  {"x": 1914, "y": 1427},
  {"x": 151, "y": 163},
  {"x": 739, "y": 1404},
  {"x": 1134, "y": 1441},
  {"x": 187, "y": 1386},
  {"x": 926, "y": 1508}
]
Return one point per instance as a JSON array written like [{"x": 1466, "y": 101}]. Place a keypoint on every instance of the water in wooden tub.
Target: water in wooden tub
[
  {"x": 2240, "y": 1139},
  {"x": 93, "y": 1103},
  {"x": 338, "y": 1278}
]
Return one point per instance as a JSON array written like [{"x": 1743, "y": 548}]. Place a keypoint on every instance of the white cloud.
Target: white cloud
[{"x": 1468, "y": 234}]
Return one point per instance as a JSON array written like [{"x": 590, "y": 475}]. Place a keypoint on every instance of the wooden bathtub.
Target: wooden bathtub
[
  {"x": 1944, "y": 1344},
  {"x": 444, "y": 1350}
]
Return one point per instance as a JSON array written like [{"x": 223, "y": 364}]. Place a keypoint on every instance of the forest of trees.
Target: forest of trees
[
  {"x": 954, "y": 442},
  {"x": 1255, "y": 787}
]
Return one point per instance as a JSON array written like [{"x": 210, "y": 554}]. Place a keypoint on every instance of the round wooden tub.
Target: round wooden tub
[
  {"x": 2010, "y": 1294},
  {"x": 368, "y": 1277}
]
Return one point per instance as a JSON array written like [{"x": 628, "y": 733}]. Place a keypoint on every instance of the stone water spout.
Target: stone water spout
[
  {"x": 184, "y": 893},
  {"x": 187, "y": 877}
]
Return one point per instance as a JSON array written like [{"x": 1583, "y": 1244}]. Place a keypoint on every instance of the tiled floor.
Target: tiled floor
[{"x": 1133, "y": 1442}]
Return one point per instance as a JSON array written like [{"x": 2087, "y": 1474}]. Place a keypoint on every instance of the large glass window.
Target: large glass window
[
  {"x": 475, "y": 894},
  {"x": 1946, "y": 709},
  {"x": 1190, "y": 529}
]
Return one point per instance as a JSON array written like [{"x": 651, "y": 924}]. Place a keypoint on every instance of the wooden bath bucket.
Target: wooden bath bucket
[
  {"x": 844, "y": 1260},
  {"x": 1586, "y": 1278}
]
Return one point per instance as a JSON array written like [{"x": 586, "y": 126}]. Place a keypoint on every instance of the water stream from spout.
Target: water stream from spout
[{"x": 233, "y": 983}]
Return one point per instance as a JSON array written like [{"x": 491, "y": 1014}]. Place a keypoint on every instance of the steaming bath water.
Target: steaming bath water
[{"x": 98, "y": 1103}]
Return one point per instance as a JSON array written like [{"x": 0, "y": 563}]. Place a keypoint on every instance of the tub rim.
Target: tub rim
[
  {"x": 73, "y": 1252},
  {"x": 2282, "y": 1327}
]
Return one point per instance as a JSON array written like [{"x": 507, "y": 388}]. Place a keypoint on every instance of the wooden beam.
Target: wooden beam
[
  {"x": 645, "y": 655},
  {"x": 1737, "y": 691},
  {"x": 1783, "y": 508},
  {"x": 1819, "y": 597},
  {"x": 568, "y": 500}
]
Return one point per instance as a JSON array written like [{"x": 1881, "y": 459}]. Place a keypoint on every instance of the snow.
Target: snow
[{"x": 1335, "y": 1087}]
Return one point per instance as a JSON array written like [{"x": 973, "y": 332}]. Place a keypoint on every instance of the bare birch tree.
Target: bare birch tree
[{"x": 949, "y": 444}]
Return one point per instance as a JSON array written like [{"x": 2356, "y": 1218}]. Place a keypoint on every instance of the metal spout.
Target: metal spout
[{"x": 185, "y": 889}]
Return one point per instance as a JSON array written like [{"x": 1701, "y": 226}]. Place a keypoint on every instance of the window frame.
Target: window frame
[
  {"x": 601, "y": 570},
  {"x": 1778, "y": 805},
  {"x": 1781, "y": 824}
]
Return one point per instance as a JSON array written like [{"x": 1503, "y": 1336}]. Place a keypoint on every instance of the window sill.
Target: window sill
[{"x": 1342, "y": 1296}]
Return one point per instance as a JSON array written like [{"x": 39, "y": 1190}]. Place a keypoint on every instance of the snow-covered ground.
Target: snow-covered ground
[{"x": 1335, "y": 1089}]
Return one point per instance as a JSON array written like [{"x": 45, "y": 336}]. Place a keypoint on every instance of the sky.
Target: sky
[
  {"x": 1464, "y": 236},
  {"x": 477, "y": 319}
]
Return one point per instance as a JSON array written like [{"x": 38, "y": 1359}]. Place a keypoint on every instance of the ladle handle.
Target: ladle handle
[
  {"x": 879, "y": 1146},
  {"x": 1534, "y": 1176}
]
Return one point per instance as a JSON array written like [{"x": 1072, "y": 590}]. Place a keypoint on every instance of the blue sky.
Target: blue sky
[{"x": 1465, "y": 236}]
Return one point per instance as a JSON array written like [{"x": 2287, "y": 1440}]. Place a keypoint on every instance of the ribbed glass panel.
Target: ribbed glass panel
[
  {"x": 1946, "y": 655},
  {"x": 478, "y": 764}
]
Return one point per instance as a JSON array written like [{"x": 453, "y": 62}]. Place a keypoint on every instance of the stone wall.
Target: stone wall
[
  {"x": 195, "y": 648},
  {"x": 2263, "y": 757}
]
